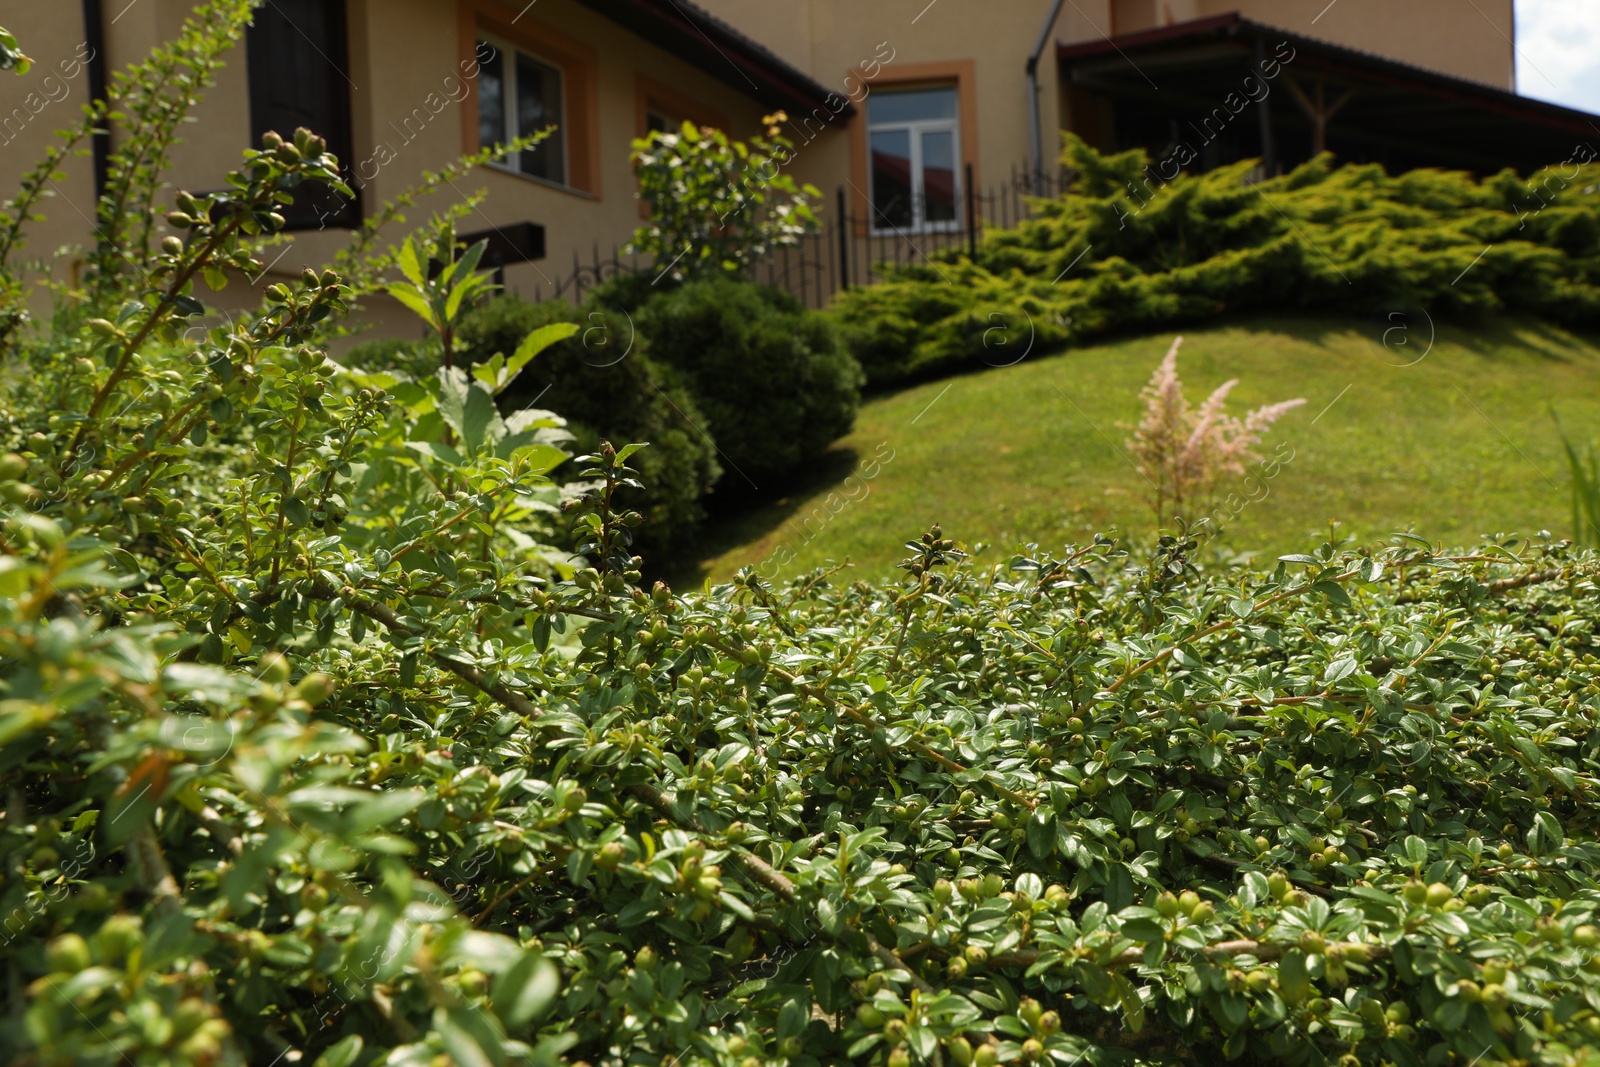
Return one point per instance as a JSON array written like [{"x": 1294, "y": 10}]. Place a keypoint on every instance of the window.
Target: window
[
  {"x": 518, "y": 95},
  {"x": 913, "y": 138},
  {"x": 662, "y": 109},
  {"x": 295, "y": 53}
]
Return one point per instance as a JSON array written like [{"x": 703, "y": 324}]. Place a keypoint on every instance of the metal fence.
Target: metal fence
[{"x": 848, "y": 250}]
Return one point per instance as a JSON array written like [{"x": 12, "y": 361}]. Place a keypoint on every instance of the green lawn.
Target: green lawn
[{"x": 1457, "y": 445}]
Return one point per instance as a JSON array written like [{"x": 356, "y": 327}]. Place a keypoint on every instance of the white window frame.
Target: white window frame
[
  {"x": 508, "y": 74},
  {"x": 916, "y": 128}
]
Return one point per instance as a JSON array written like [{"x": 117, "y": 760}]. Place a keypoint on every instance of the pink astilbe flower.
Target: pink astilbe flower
[{"x": 1184, "y": 454}]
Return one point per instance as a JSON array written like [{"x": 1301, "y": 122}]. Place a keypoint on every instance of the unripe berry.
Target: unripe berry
[
  {"x": 68, "y": 953},
  {"x": 273, "y": 668}
]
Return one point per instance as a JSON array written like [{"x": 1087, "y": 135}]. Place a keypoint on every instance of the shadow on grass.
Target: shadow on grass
[{"x": 738, "y": 520}]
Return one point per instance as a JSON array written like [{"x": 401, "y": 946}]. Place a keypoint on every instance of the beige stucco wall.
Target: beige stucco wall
[
  {"x": 402, "y": 53},
  {"x": 830, "y": 39},
  {"x": 32, "y": 107},
  {"x": 1467, "y": 40}
]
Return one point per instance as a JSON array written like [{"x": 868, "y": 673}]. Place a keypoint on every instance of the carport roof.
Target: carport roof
[{"x": 1447, "y": 120}]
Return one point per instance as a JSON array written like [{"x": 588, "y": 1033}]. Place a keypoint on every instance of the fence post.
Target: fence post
[
  {"x": 972, "y": 217},
  {"x": 844, "y": 242}
]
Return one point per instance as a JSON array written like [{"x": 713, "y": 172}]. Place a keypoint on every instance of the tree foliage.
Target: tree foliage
[
  {"x": 11, "y": 56},
  {"x": 717, "y": 206}
]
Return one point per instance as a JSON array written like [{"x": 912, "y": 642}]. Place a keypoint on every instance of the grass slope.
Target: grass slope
[{"x": 1456, "y": 445}]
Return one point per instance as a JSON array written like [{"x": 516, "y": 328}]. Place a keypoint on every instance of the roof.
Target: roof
[
  {"x": 695, "y": 35},
  {"x": 1468, "y": 120}
]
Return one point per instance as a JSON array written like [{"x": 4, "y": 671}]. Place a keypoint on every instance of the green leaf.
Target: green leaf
[
  {"x": 414, "y": 299},
  {"x": 1416, "y": 850},
  {"x": 131, "y": 806},
  {"x": 469, "y": 1038},
  {"x": 1294, "y": 981},
  {"x": 1041, "y": 832},
  {"x": 443, "y": 453},
  {"x": 1339, "y": 669},
  {"x": 1132, "y": 1006},
  {"x": 343, "y": 1053},
  {"x": 531, "y": 346},
  {"x": 1334, "y": 592},
  {"x": 525, "y": 991},
  {"x": 410, "y": 262},
  {"x": 793, "y": 1018},
  {"x": 383, "y": 810},
  {"x": 538, "y": 460}
]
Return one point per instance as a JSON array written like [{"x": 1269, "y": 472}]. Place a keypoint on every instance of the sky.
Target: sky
[{"x": 1558, "y": 51}]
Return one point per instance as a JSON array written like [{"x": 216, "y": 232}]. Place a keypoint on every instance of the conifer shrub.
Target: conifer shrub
[{"x": 1118, "y": 250}]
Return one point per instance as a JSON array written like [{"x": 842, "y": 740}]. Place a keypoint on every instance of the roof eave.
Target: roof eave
[{"x": 744, "y": 64}]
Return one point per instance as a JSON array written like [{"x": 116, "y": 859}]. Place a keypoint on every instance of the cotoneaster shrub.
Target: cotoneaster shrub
[
  {"x": 310, "y": 752},
  {"x": 1118, "y": 250}
]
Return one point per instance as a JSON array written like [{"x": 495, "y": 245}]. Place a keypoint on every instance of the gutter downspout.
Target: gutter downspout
[
  {"x": 1033, "y": 96},
  {"x": 100, "y": 141}
]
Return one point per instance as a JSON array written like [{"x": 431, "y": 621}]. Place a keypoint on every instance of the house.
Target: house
[
  {"x": 399, "y": 87},
  {"x": 909, "y": 114}
]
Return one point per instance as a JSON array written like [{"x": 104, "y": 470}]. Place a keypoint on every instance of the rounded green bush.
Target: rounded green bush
[
  {"x": 776, "y": 386},
  {"x": 604, "y": 381},
  {"x": 414, "y": 359}
]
